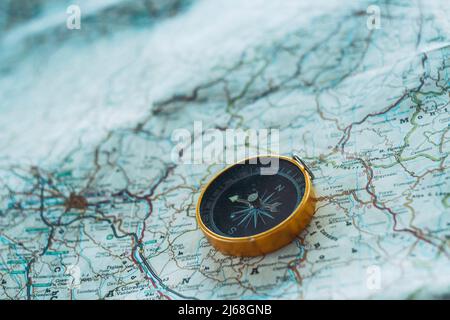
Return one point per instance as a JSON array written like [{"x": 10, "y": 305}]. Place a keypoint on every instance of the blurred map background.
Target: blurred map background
[{"x": 92, "y": 206}]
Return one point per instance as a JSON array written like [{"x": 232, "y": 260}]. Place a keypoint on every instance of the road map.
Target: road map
[{"x": 92, "y": 206}]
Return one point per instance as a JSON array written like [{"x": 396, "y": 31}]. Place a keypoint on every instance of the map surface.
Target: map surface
[{"x": 93, "y": 207}]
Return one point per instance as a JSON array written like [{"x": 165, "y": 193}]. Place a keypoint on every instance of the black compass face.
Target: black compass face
[{"x": 242, "y": 202}]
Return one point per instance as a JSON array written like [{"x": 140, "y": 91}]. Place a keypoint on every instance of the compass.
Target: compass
[{"x": 244, "y": 212}]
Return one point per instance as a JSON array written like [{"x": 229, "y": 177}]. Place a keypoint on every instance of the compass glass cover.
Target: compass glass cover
[{"x": 242, "y": 202}]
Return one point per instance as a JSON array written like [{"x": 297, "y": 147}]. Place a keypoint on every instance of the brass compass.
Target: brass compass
[{"x": 246, "y": 213}]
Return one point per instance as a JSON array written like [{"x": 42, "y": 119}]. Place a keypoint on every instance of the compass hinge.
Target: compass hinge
[{"x": 299, "y": 160}]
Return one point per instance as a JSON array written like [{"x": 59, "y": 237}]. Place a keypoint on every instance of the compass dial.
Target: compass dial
[{"x": 242, "y": 202}]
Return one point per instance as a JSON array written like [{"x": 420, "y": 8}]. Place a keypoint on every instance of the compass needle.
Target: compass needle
[
  {"x": 247, "y": 217},
  {"x": 266, "y": 214},
  {"x": 270, "y": 196}
]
